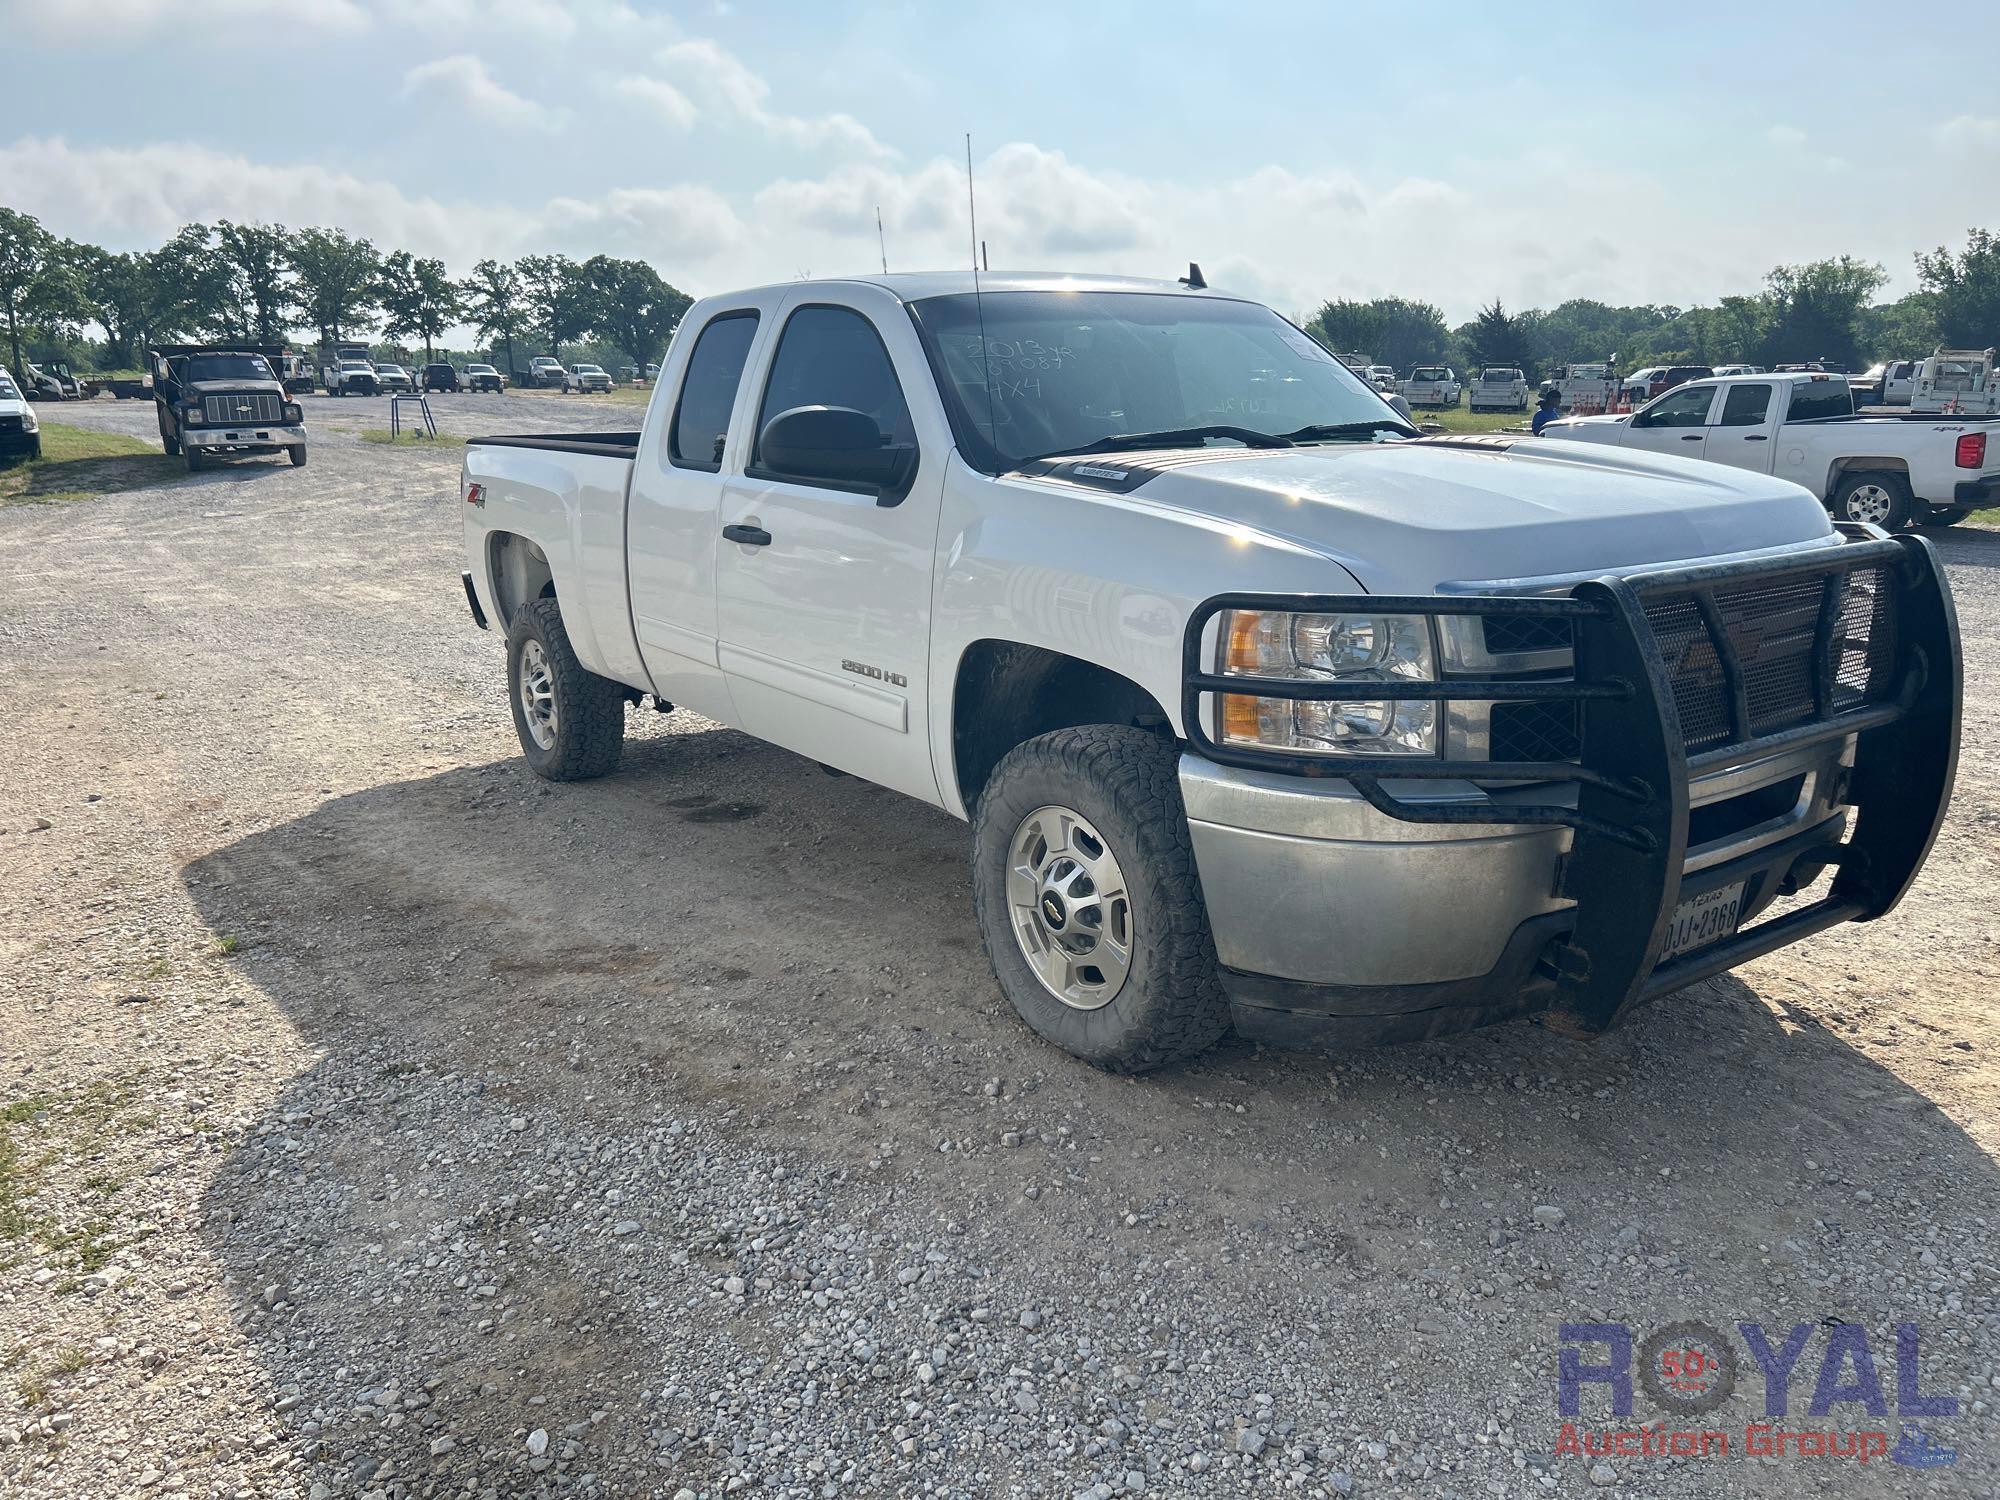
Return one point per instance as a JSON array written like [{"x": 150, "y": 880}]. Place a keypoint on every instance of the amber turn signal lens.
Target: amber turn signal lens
[
  {"x": 1242, "y": 654},
  {"x": 1240, "y": 718}
]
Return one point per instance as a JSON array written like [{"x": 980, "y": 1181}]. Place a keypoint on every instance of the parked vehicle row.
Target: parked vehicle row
[
  {"x": 1322, "y": 783},
  {"x": 1888, "y": 471}
]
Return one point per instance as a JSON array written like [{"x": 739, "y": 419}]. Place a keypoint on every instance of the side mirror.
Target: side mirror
[{"x": 836, "y": 445}]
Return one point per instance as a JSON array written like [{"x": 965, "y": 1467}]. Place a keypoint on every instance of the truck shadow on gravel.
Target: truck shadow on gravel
[{"x": 506, "y": 981}]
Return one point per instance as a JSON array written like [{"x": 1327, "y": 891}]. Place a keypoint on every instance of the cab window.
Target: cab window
[
  {"x": 1746, "y": 406},
  {"x": 1687, "y": 407},
  {"x": 1814, "y": 400},
  {"x": 832, "y": 356},
  {"x": 708, "y": 391}
]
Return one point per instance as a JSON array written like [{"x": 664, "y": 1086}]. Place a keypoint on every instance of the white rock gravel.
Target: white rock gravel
[{"x": 385, "y": 1123}]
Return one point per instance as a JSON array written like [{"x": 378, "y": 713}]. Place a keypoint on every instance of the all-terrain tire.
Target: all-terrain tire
[
  {"x": 1126, "y": 783},
  {"x": 297, "y": 453},
  {"x": 589, "y": 728},
  {"x": 1874, "y": 495}
]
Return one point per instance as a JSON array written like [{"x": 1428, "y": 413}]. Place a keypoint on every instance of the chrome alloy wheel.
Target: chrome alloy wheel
[
  {"x": 1869, "y": 502},
  {"x": 538, "y": 694},
  {"x": 1071, "y": 914}
]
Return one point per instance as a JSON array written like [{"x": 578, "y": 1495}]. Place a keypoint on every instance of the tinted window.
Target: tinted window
[
  {"x": 228, "y": 367},
  {"x": 832, "y": 356},
  {"x": 1684, "y": 408},
  {"x": 1746, "y": 406},
  {"x": 1814, "y": 399},
  {"x": 715, "y": 369}
]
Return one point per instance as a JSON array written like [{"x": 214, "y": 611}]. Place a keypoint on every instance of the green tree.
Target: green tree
[
  {"x": 418, "y": 299},
  {"x": 27, "y": 257},
  {"x": 560, "y": 300},
  {"x": 1816, "y": 309},
  {"x": 1390, "y": 330},
  {"x": 338, "y": 278},
  {"x": 191, "y": 287},
  {"x": 1964, "y": 291},
  {"x": 492, "y": 300},
  {"x": 1904, "y": 329},
  {"x": 635, "y": 309},
  {"x": 1494, "y": 337},
  {"x": 122, "y": 295},
  {"x": 261, "y": 292}
]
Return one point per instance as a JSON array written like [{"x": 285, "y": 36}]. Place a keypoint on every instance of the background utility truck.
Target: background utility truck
[
  {"x": 1882, "y": 470},
  {"x": 1262, "y": 713}
]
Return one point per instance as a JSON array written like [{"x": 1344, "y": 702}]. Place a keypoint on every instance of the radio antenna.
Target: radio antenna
[
  {"x": 880, "y": 240},
  {"x": 979, "y": 300}
]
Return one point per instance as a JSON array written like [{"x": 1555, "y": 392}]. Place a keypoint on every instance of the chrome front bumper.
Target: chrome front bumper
[
  {"x": 264, "y": 436},
  {"x": 1323, "y": 906}
]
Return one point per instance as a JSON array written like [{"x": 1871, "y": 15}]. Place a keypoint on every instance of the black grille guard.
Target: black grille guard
[{"x": 1632, "y": 773}]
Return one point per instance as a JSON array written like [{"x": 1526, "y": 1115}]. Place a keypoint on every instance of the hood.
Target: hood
[
  {"x": 230, "y": 387},
  {"x": 1406, "y": 518}
]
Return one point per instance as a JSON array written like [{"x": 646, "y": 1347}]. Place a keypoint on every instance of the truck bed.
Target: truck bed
[{"x": 604, "y": 444}]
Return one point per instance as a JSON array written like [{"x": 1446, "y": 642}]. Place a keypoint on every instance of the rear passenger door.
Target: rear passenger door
[
  {"x": 1741, "y": 436},
  {"x": 825, "y": 590},
  {"x": 678, "y": 479}
]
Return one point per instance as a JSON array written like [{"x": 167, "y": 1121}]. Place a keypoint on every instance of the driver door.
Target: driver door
[
  {"x": 1676, "y": 424},
  {"x": 824, "y": 591}
]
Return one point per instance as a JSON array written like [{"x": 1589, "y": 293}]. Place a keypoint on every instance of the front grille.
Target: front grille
[
  {"x": 11, "y": 424},
  {"x": 253, "y": 407},
  {"x": 1798, "y": 660}
]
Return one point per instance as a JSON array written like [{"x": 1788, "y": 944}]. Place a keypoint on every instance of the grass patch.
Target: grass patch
[
  {"x": 409, "y": 439},
  {"x": 1464, "y": 419},
  {"x": 78, "y": 464}
]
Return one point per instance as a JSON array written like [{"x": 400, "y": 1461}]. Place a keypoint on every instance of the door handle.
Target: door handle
[
  {"x": 1757, "y": 437},
  {"x": 749, "y": 536},
  {"x": 1693, "y": 437}
]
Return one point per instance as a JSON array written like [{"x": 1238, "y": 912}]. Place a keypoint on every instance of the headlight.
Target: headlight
[
  {"x": 1349, "y": 649},
  {"x": 294, "y": 414},
  {"x": 191, "y": 416},
  {"x": 28, "y": 422}
]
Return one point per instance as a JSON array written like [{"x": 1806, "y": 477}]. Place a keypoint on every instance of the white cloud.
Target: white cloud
[
  {"x": 464, "y": 84},
  {"x": 1969, "y": 133},
  {"x": 672, "y": 224},
  {"x": 711, "y": 73},
  {"x": 1786, "y": 136},
  {"x": 658, "y": 98}
]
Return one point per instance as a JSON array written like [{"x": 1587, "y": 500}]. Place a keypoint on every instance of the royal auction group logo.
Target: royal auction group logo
[{"x": 1689, "y": 1369}]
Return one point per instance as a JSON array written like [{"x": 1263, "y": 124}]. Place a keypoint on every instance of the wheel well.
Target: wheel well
[
  {"x": 1842, "y": 467},
  {"x": 1007, "y": 692},
  {"x": 520, "y": 572}
]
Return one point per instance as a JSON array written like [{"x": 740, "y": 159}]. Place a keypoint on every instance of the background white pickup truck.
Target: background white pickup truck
[
  {"x": 1433, "y": 386},
  {"x": 1500, "y": 390},
  {"x": 1262, "y": 713},
  {"x": 1884, "y": 470}
]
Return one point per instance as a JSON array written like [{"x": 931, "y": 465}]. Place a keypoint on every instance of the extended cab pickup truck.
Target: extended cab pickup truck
[
  {"x": 1262, "y": 713},
  {"x": 1883, "y": 470}
]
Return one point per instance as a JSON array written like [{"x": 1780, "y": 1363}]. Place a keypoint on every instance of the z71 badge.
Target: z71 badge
[{"x": 862, "y": 669}]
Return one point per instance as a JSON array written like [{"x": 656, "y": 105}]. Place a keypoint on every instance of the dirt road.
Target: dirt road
[{"x": 382, "y": 1121}]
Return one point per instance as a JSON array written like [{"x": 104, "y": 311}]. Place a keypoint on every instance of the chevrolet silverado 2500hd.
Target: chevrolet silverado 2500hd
[
  {"x": 1263, "y": 712},
  {"x": 1884, "y": 470}
]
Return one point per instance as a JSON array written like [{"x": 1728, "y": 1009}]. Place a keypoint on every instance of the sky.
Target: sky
[{"x": 1299, "y": 152}]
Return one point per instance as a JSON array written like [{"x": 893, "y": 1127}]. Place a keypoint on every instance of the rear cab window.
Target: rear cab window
[
  {"x": 708, "y": 391},
  {"x": 1815, "y": 400}
]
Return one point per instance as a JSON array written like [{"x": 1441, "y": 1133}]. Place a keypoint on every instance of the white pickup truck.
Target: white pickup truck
[
  {"x": 1499, "y": 390},
  {"x": 1883, "y": 470},
  {"x": 1262, "y": 713},
  {"x": 1430, "y": 386}
]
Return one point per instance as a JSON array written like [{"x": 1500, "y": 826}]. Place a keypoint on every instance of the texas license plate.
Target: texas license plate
[{"x": 1701, "y": 920}]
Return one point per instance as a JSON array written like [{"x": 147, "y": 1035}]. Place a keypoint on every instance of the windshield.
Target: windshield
[
  {"x": 1063, "y": 370},
  {"x": 479, "y": 369},
  {"x": 8, "y": 390},
  {"x": 228, "y": 367}
]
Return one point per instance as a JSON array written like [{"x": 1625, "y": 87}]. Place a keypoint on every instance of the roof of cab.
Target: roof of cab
[{"x": 914, "y": 286}]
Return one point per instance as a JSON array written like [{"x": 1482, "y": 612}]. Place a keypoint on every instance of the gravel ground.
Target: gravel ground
[{"x": 381, "y": 1121}]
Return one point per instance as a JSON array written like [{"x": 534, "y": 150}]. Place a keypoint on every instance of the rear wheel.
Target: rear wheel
[
  {"x": 1875, "y": 496},
  {"x": 571, "y": 721},
  {"x": 1087, "y": 898}
]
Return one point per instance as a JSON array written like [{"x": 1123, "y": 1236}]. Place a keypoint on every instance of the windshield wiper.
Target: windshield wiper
[
  {"x": 1319, "y": 430},
  {"x": 1175, "y": 437}
]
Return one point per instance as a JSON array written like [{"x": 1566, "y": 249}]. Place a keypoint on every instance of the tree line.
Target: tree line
[
  {"x": 259, "y": 283},
  {"x": 1824, "y": 309}
]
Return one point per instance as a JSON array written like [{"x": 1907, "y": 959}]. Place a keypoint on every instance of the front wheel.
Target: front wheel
[
  {"x": 571, "y": 721},
  {"x": 297, "y": 453},
  {"x": 171, "y": 443},
  {"x": 1876, "y": 496},
  {"x": 1088, "y": 901},
  {"x": 196, "y": 461}
]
